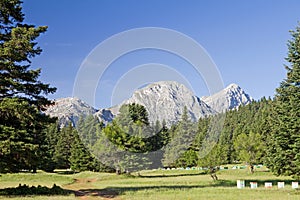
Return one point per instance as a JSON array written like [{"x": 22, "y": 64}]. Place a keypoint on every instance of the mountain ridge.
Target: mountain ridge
[
  {"x": 164, "y": 100},
  {"x": 229, "y": 98}
]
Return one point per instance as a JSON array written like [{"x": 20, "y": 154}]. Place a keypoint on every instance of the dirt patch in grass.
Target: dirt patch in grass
[
  {"x": 85, "y": 180},
  {"x": 81, "y": 186},
  {"x": 85, "y": 193}
]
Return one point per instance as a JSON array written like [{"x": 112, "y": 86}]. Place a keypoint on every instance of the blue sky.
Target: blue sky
[{"x": 245, "y": 39}]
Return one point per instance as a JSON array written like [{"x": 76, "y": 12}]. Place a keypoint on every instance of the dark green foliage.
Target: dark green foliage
[
  {"x": 182, "y": 136},
  {"x": 131, "y": 132},
  {"x": 21, "y": 93},
  {"x": 125, "y": 143},
  {"x": 65, "y": 150},
  {"x": 89, "y": 129},
  {"x": 52, "y": 136},
  {"x": 138, "y": 114},
  {"x": 25, "y": 190},
  {"x": 250, "y": 148},
  {"x": 248, "y": 119},
  {"x": 21, "y": 137},
  {"x": 17, "y": 47},
  {"x": 80, "y": 158},
  {"x": 10, "y": 12},
  {"x": 284, "y": 153},
  {"x": 63, "y": 147}
]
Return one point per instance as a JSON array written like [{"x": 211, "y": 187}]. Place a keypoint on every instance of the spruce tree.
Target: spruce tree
[
  {"x": 80, "y": 158},
  {"x": 22, "y": 95},
  {"x": 284, "y": 145},
  {"x": 63, "y": 147},
  {"x": 249, "y": 147},
  {"x": 17, "y": 47},
  {"x": 180, "y": 142}
]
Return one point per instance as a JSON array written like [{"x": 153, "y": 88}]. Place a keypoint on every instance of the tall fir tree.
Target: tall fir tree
[
  {"x": 180, "y": 142},
  {"x": 52, "y": 135},
  {"x": 21, "y": 142},
  {"x": 63, "y": 147},
  {"x": 80, "y": 158},
  {"x": 22, "y": 95},
  {"x": 284, "y": 145}
]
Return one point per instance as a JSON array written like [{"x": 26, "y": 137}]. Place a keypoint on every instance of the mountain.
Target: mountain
[
  {"x": 165, "y": 100},
  {"x": 70, "y": 109},
  {"x": 104, "y": 115},
  {"x": 227, "y": 99}
]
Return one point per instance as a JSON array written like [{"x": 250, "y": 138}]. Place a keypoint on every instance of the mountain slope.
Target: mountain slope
[
  {"x": 227, "y": 99},
  {"x": 165, "y": 100},
  {"x": 71, "y": 109}
]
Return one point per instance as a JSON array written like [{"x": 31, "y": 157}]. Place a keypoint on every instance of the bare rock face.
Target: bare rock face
[
  {"x": 227, "y": 99},
  {"x": 166, "y": 100},
  {"x": 71, "y": 109},
  {"x": 104, "y": 115}
]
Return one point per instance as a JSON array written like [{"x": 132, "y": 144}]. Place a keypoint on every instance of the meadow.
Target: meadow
[{"x": 154, "y": 184}]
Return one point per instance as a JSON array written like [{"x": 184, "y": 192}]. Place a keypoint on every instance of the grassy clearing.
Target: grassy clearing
[
  {"x": 40, "y": 178},
  {"x": 157, "y": 184}
]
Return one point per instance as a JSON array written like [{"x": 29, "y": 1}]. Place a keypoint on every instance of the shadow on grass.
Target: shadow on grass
[
  {"x": 112, "y": 192},
  {"x": 25, "y": 190},
  {"x": 171, "y": 175},
  {"x": 64, "y": 172}
]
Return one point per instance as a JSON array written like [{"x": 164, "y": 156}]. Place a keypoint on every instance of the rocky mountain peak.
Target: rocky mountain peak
[
  {"x": 165, "y": 100},
  {"x": 229, "y": 98},
  {"x": 69, "y": 110}
]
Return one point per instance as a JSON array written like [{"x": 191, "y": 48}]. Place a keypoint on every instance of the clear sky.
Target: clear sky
[{"x": 245, "y": 39}]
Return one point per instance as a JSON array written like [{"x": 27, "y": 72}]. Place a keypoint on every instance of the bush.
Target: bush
[{"x": 24, "y": 190}]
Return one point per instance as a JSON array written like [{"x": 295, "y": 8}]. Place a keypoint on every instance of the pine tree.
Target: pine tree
[
  {"x": 17, "y": 47},
  {"x": 180, "y": 142},
  {"x": 63, "y": 147},
  {"x": 52, "y": 136},
  {"x": 21, "y": 93},
  {"x": 250, "y": 148},
  {"x": 21, "y": 136},
  {"x": 123, "y": 142},
  {"x": 88, "y": 128},
  {"x": 284, "y": 153},
  {"x": 80, "y": 158}
]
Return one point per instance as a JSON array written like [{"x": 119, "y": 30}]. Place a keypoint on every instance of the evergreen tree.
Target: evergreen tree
[
  {"x": 52, "y": 136},
  {"x": 212, "y": 161},
  {"x": 124, "y": 141},
  {"x": 88, "y": 129},
  {"x": 180, "y": 141},
  {"x": 20, "y": 143},
  {"x": 63, "y": 147},
  {"x": 17, "y": 47},
  {"x": 284, "y": 153},
  {"x": 250, "y": 148},
  {"x": 80, "y": 158},
  {"x": 138, "y": 114},
  {"x": 21, "y": 93}
]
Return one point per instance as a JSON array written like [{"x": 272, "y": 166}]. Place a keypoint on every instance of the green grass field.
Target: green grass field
[{"x": 155, "y": 184}]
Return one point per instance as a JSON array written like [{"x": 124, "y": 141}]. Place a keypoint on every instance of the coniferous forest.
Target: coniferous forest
[{"x": 266, "y": 131}]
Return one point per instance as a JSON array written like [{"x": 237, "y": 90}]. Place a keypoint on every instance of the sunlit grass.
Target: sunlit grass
[{"x": 157, "y": 184}]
